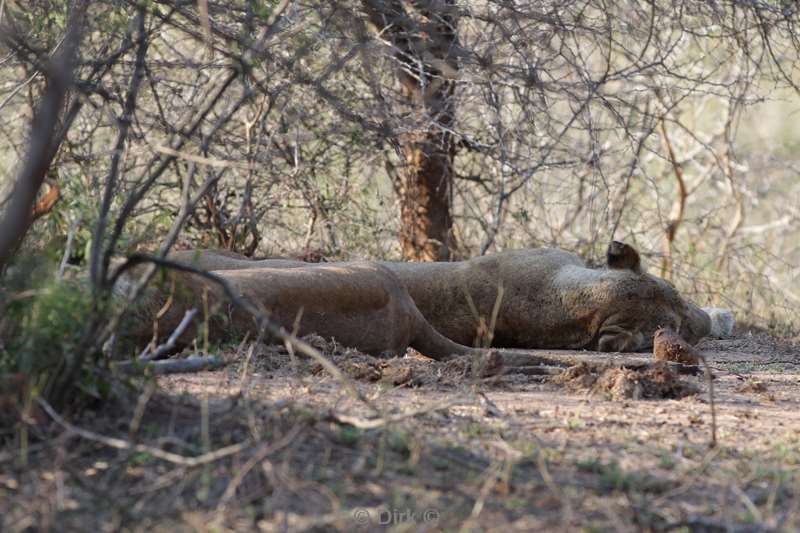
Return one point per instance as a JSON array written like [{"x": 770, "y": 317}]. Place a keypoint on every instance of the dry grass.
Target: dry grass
[{"x": 458, "y": 452}]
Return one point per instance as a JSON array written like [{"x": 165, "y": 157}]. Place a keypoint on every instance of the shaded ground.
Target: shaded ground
[{"x": 275, "y": 443}]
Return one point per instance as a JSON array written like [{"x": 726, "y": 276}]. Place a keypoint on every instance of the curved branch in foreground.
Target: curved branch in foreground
[{"x": 263, "y": 321}]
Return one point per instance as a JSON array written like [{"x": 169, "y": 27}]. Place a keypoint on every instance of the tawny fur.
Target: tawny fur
[
  {"x": 361, "y": 305},
  {"x": 550, "y": 298}
]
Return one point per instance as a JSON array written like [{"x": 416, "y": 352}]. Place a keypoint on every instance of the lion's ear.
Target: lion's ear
[{"x": 621, "y": 256}]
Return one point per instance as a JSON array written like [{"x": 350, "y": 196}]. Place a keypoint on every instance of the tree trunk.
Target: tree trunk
[{"x": 424, "y": 41}]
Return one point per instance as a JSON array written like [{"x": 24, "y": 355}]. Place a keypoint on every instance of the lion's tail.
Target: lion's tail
[{"x": 431, "y": 343}]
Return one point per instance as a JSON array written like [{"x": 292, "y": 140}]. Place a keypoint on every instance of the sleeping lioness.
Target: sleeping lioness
[
  {"x": 361, "y": 305},
  {"x": 550, "y": 298}
]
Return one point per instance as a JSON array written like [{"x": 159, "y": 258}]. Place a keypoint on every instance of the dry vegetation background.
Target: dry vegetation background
[
  {"x": 275, "y": 127},
  {"x": 670, "y": 125}
]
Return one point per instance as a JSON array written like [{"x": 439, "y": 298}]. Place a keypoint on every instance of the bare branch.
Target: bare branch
[{"x": 18, "y": 213}]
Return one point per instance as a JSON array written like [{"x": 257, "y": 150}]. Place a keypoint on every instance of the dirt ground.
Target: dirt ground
[{"x": 275, "y": 443}]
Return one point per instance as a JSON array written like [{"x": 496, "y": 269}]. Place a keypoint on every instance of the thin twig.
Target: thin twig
[
  {"x": 679, "y": 208},
  {"x": 711, "y": 401},
  {"x": 490, "y": 481},
  {"x": 373, "y": 423},
  {"x": 207, "y": 161},
  {"x": 98, "y": 264},
  {"x": 262, "y": 453},
  {"x": 73, "y": 228},
  {"x": 121, "y": 444}
]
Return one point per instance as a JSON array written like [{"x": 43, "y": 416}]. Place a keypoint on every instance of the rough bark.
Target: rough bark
[{"x": 423, "y": 37}]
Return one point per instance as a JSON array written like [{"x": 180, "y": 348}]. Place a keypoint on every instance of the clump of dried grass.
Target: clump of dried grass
[{"x": 656, "y": 381}]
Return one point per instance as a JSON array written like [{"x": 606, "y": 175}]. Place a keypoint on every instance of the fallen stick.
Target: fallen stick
[
  {"x": 513, "y": 359},
  {"x": 193, "y": 363},
  {"x": 172, "y": 341}
]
